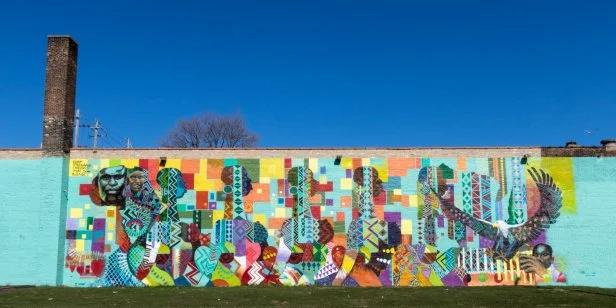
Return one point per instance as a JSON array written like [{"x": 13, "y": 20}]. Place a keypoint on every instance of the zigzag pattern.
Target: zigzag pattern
[{"x": 486, "y": 199}]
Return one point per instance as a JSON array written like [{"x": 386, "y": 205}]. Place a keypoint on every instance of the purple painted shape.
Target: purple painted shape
[
  {"x": 99, "y": 224},
  {"x": 485, "y": 242},
  {"x": 329, "y": 202},
  {"x": 71, "y": 224},
  {"x": 441, "y": 221},
  {"x": 542, "y": 239},
  {"x": 349, "y": 173},
  {"x": 212, "y": 205},
  {"x": 384, "y": 277},
  {"x": 452, "y": 280},
  {"x": 393, "y": 217}
]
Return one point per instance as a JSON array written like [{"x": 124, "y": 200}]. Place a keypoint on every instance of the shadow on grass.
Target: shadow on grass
[{"x": 312, "y": 297}]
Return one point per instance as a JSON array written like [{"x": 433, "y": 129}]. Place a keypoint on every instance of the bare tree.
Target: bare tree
[{"x": 210, "y": 130}]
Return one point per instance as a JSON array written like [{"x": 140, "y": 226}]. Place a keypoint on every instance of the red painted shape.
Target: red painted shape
[
  {"x": 381, "y": 199},
  {"x": 288, "y": 202},
  {"x": 143, "y": 163},
  {"x": 326, "y": 187},
  {"x": 202, "y": 200},
  {"x": 85, "y": 189},
  {"x": 316, "y": 212},
  {"x": 287, "y": 163},
  {"x": 189, "y": 179}
]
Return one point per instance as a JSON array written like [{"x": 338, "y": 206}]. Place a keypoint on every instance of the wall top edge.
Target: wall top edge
[{"x": 32, "y": 153}]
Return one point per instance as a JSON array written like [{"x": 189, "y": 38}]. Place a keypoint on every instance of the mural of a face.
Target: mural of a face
[
  {"x": 310, "y": 182},
  {"x": 171, "y": 183},
  {"x": 136, "y": 180},
  {"x": 227, "y": 178},
  {"x": 543, "y": 252},
  {"x": 109, "y": 185},
  {"x": 375, "y": 184}
]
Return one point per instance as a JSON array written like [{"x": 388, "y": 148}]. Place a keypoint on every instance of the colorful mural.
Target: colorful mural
[{"x": 316, "y": 221}]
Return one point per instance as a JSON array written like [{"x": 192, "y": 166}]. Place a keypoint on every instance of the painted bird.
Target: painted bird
[{"x": 509, "y": 238}]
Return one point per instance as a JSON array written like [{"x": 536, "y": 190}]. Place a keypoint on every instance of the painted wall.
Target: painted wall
[
  {"x": 33, "y": 202},
  {"x": 353, "y": 222}
]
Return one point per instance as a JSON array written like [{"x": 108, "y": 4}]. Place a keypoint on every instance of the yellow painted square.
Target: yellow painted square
[
  {"x": 313, "y": 164},
  {"x": 271, "y": 231},
  {"x": 95, "y": 167},
  {"x": 89, "y": 228},
  {"x": 397, "y": 192},
  {"x": 78, "y": 167},
  {"x": 413, "y": 200},
  {"x": 130, "y": 163},
  {"x": 87, "y": 206},
  {"x": 110, "y": 226},
  {"x": 260, "y": 218},
  {"x": 199, "y": 184},
  {"x": 83, "y": 236},
  {"x": 110, "y": 236},
  {"x": 365, "y": 162},
  {"x": 259, "y": 191},
  {"x": 346, "y": 184},
  {"x": 346, "y": 163},
  {"x": 79, "y": 245},
  {"x": 82, "y": 223},
  {"x": 76, "y": 213},
  {"x": 383, "y": 172},
  {"x": 218, "y": 215},
  {"x": 280, "y": 212},
  {"x": 174, "y": 163},
  {"x": 407, "y": 226},
  {"x": 264, "y": 179},
  {"x": 272, "y": 167},
  {"x": 323, "y": 180},
  {"x": 203, "y": 167},
  {"x": 104, "y": 163}
]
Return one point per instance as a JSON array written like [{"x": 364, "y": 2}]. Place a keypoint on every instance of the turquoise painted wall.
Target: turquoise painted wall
[
  {"x": 33, "y": 201},
  {"x": 36, "y": 195}
]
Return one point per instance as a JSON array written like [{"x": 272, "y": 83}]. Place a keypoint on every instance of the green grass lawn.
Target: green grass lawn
[{"x": 310, "y": 297}]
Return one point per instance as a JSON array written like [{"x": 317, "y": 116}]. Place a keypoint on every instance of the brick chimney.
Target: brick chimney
[{"x": 60, "y": 84}]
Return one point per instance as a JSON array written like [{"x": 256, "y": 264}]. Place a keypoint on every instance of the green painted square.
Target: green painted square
[
  {"x": 188, "y": 215},
  {"x": 115, "y": 162},
  {"x": 230, "y": 162},
  {"x": 339, "y": 227},
  {"x": 252, "y": 167},
  {"x": 182, "y": 207},
  {"x": 425, "y": 162},
  {"x": 84, "y": 235},
  {"x": 206, "y": 219}
]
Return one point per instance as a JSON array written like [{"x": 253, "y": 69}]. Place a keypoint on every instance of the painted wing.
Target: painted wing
[
  {"x": 548, "y": 212},
  {"x": 480, "y": 226}
]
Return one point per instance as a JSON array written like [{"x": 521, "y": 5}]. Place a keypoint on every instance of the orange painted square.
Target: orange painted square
[
  {"x": 400, "y": 166},
  {"x": 254, "y": 196},
  {"x": 346, "y": 201},
  {"x": 248, "y": 206},
  {"x": 462, "y": 164},
  {"x": 214, "y": 168},
  {"x": 356, "y": 163},
  {"x": 340, "y": 239},
  {"x": 405, "y": 200},
  {"x": 190, "y": 166},
  {"x": 315, "y": 199},
  {"x": 406, "y": 239},
  {"x": 396, "y": 198},
  {"x": 110, "y": 213},
  {"x": 379, "y": 211},
  {"x": 275, "y": 222},
  {"x": 339, "y": 216}
]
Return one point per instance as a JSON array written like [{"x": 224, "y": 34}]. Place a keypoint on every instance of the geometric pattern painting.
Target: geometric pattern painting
[{"x": 315, "y": 221}]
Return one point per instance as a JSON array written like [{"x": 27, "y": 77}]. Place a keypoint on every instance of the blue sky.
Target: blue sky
[{"x": 323, "y": 74}]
